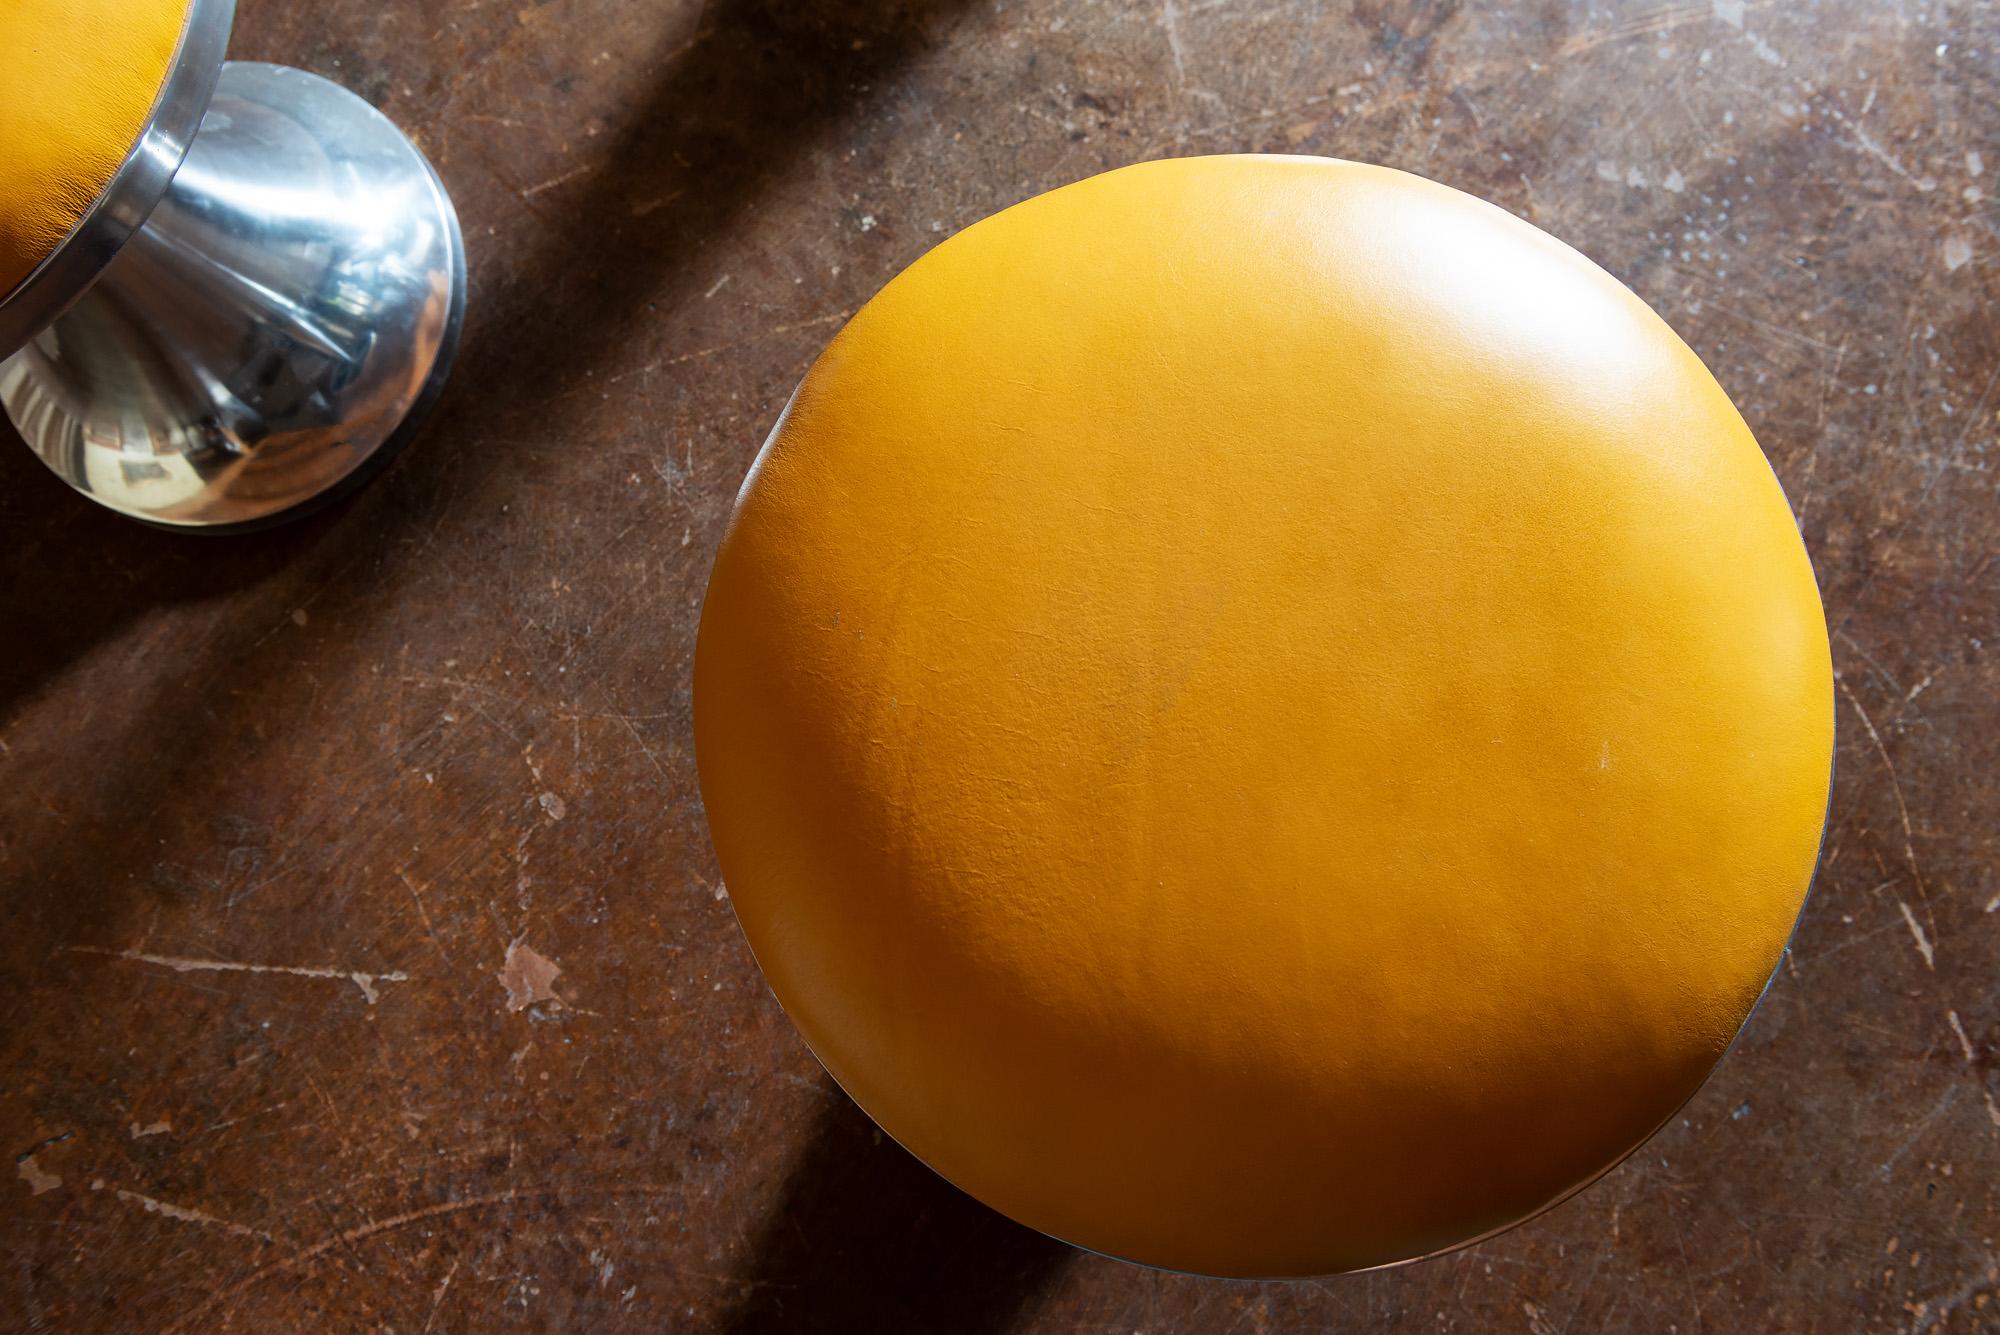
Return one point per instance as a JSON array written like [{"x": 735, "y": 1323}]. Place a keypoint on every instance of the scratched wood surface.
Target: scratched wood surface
[{"x": 364, "y": 958}]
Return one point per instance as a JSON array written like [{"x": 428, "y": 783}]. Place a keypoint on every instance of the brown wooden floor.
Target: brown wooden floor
[{"x": 369, "y": 754}]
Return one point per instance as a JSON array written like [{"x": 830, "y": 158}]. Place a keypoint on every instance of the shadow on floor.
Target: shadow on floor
[{"x": 865, "y": 1238}]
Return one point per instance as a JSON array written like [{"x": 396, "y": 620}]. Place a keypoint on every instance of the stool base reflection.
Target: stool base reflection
[{"x": 274, "y": 329}]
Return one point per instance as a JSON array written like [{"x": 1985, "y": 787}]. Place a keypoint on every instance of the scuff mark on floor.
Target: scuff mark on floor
[
  {"x": 186, "y": 1214},
  {"x": 529, "y": 976},
  {"x": 180, "y": 964},
  {"x": 38, "y": 1178}
]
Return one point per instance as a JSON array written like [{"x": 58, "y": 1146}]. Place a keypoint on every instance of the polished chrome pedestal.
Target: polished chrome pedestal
[{"x": 267, "y": 333}]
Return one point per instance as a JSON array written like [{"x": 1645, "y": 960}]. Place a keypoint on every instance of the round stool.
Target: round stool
[
  {"x": 228, "y": 292},
  {"x": 1263, "y": 716}
]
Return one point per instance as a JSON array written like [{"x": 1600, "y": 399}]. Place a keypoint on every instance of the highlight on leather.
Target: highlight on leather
[
  {"x": 1264, "y": 716},
  {"x": 78, "y": 79}
]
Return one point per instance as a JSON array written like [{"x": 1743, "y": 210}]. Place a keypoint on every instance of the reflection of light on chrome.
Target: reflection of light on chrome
[
  {"x": 163, "y": 153},
  {"x": 373, "y": 214}
]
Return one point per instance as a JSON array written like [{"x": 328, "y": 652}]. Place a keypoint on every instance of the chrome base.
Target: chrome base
[{"x": 275, "y": 327}]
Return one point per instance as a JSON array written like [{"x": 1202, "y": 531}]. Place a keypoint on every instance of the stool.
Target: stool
[
  {"x": 228, "y": 291},
  {"x": 1263, "y": 716}
]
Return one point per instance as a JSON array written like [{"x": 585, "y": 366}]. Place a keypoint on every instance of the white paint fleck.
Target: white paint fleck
[
  {"x": 179, "y": 964},
  {"x": 38, "y": 1178},
  {"x": 157, "y": 1128},
  {"x": 1675, "y": 182},
  {"x": 1170, "y": 25},
  {"x": 1924, "y": 946},
  {"x": 554, "y": 805},
  {"x": 1729, "y": 11},
  {"x": 1964, "y": 1042},
  {"x": 1957, "y": 253},
  {"x": 867, "y": 222},
  {"x": 1764, "y": 50},
  {"x": 1607, "y": 170},
  {"x": 1635, "y": 178},
  {"x": 1975, "y": 165},
  {"x": 1604, "y": 755},
  {"x": 529, "y": 976},
  {"x": 183, "y": 1213}
]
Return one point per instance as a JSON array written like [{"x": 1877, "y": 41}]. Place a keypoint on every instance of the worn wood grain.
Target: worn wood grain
[{"x": 364, "y": 959}]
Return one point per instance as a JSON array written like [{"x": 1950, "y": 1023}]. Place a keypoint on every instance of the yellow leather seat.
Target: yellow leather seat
[
  {"x": 1264, "y": 716},
  {"x": 77, "y": 84}
]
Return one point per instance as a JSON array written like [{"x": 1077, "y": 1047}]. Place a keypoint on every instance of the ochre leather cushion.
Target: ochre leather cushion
[
  {"x": 77, "y": 83},
  {"x": 1264, "y": 716}
]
